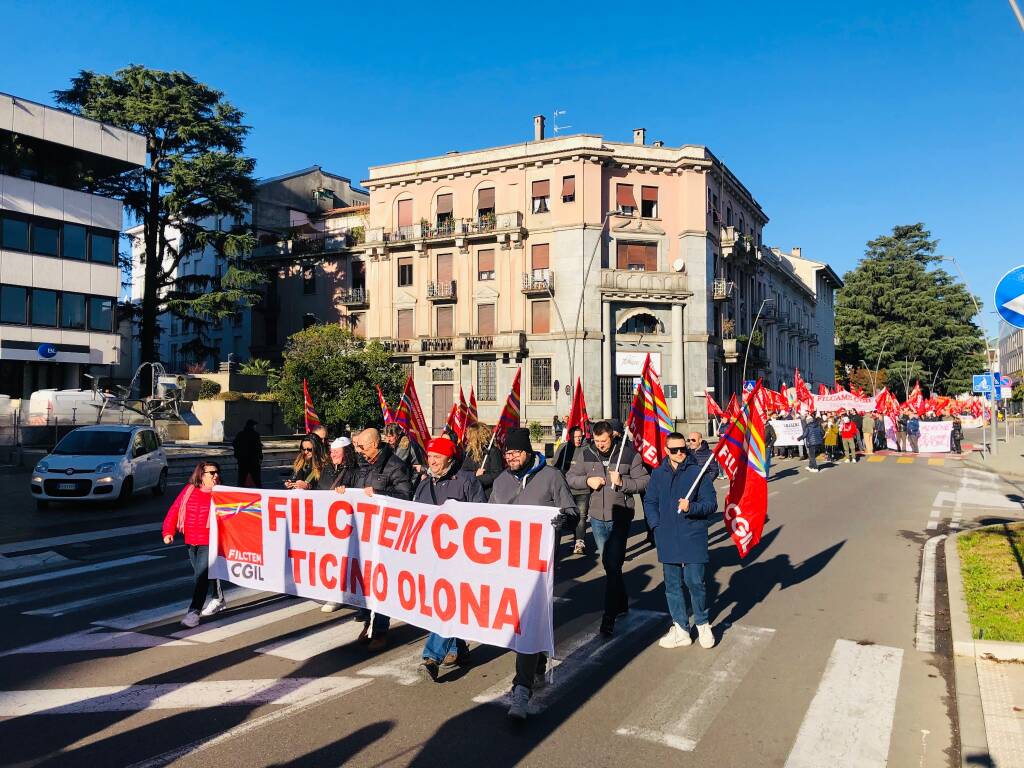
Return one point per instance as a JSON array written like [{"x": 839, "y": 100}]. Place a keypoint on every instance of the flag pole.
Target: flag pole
[
  {"x": 622, "y": 447},
  {"x": 699, "y": 476}
]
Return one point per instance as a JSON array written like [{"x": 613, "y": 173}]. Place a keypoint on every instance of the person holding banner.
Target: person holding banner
[
  {"x": 309, "y": 463},
  {"x": 404, "y": 448},
  {"x": 342, "y": 471},
  {"x": 563, "y": 461},
  {"x": 445, "y": 482},
  {"x": 190, "y": 514},
  {"x": 529, "y": 480},
  {"x": 680, "y": 501}
]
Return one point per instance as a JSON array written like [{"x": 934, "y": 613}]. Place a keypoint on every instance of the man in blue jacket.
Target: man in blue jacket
[{"x": 681, "y": 532}]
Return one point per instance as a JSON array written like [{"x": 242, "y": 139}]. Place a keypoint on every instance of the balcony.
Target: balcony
[
  {"x": 399, "y": 346},
  {"x": 314, "y": 244},
  {"x": 354, "y": 297},
  {"x": 664, "y": 287},
  {"x": 540, "y": 281},
  {"x": 722, "y": 289},
  {"x": 769, "y": 313},
  {"x": 506, "y": 343},
  {"x": 487, "y": 225},
  {"x": 730, "y": 348},
  {"x": 813, "y": 339},
  {"x": 437, "y": 344},
  {"x": 442, "y": 292}
]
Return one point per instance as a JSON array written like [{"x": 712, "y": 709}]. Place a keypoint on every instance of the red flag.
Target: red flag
[
  {"x": 857, "y": 391},
  {"x": 472, "y": 417},
  {"x": 714, "y": 409},
  {"x": 822, "y": 389},
  {"x": 803, "y": 394},
  {"x": 312, "y": 420},
  {"x": 456, "y": 422},
  {"x": 648, "y": 420},
  {"x": 916, "y": 400},
  {"x": 451, "y": 424},
  {"x": 784, "y": 403},
  {"x": 577, "y": 414},
  {"x": 837, "y": 388},
  {"x": 463, "y": 415},
  {"x": 741, "y": 453},
  {"x": 409, "y": 416},
  {"x": 976, "y": 409},
  {"x": 509, "y": 418},
  {"x": 384, "y": 410}
]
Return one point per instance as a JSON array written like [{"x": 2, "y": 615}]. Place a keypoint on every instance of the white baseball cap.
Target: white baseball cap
[{"x": 340, "y": 442}]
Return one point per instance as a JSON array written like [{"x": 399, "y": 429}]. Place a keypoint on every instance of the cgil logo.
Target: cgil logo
[{"x": 246, "y": 571}]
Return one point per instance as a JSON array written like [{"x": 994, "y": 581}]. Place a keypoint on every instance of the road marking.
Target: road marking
[
  {"x": 313, "y": 642},
  {"x": 801, "y": 480},
  {"x": 230, "y": 626},
  {"x": 169, "y": 611},
  {"x": 65, "y": 572},
  {"x": 773, "y": 493},
  {"x": 62, "y": 609},
  {"x": 95, "y": 640},
  {"x": 579, "y": 653},
  {"x": 338, "y": 687},
  {"x": 849, "y": 721},
  {"x": 932, "y": 526},
  {"x": 24, "y": 562},
  {"x": 936, "y": 462},
  {"x": 402, "y": 669},
  {"x": 973, "y": 497},
  {"x": 905, "y": 460},
  {"x": 78, "y": 538},
  {"x": 685, "y": 705},
  {"x": 935, "y": 513},
  {"x": 874, "y": 459},
  {"x": 925, "y": 638},
  {"x": 202, "y": 695}
]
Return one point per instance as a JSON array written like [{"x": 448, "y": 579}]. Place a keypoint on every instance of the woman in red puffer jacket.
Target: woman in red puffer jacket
[
  {"x": 848, "y": 432},
  {"x": 190, "y": 514}
]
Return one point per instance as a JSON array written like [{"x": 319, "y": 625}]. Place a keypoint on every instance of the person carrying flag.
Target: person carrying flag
[{"x": 680, "y": 520}]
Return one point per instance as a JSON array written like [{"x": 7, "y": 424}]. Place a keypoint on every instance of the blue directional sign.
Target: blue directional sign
[
  {"x": 1010, "y": 297},
  {"x": 748, "y": 385},
  {"x": 982, "y": 383}
]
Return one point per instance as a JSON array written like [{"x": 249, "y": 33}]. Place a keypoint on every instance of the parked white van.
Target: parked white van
[{"x": 65, "y": 405}]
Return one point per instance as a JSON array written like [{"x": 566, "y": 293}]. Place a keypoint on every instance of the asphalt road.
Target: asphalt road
[{"x": 822, "y": 657}]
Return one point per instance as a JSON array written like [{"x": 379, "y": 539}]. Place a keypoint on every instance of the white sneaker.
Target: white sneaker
[
  {"x": 191, "y": 619},
  {"x": 520, "y": 701},
  {"x": 329, "y": 607},
  {"x": 676, "y": 637},
  {"x": 706, "y": 636},
  {"x": 216, "y": 605}
]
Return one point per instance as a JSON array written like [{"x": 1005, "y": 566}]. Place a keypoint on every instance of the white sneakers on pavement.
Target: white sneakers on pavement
[
  {"x": 676, "y": 637},
  {"x": 705, "y": 636},
  {"x": 520, "y": 701},
  {"x": 811, "y": 469},
  {"x": 216, "y": 605},
  {"x": 191, "y": 619},
  {"x": 329, "y": 607}
]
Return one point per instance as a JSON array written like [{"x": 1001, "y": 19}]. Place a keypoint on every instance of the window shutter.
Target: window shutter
[
  {"x": 624, "y": 196},
  {"x": 539, "y": 256},
  {"x": 650, "y": 194},
  {"x": 485, "y": 198},
  {"x": 405, "y": 323},
  {"x": 405, "y": 213},
  {"x": 651, "y": 257},
  {"x": 444, "y": 204},
  {"x": 444, "y": 268},
  {"x": 485, "y": 319},
  {"x": 541, "y": 321},
  {"x": 359, "y": 325},
  {"x": 568, "y": 186},
  {"x": 622, "y": 255},
  {"x": 444, "y": 322},
  {"x": 486, "y": 260},
  {"x": 541, "y": 188}
]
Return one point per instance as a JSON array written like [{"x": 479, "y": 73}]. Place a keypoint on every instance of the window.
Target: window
[
  {"x": 405, "y": 324},
  {"x": 485, "y": 319},
  {"x": 102, "y": 248},
  {"x": 649, "y": 202},
  {"x": 405, "y": 272},
  {"x": 540, "y": 260},
  {"x": 44, "y": 307},
  {"x": 405, "y": 213},
  {"x": 485, "y": 202},
  {"x": 637, "y": 257},
  {"x": 45, "y": 238},
  {"x": 540, "y": 312},
  {"x": 642, "y": 323},
  {"x": 15, "y": 234},
  {"x": 308, "y": 281},
  {"x": 72, "y": 311},
  {"x": 445, "y": 207},
  {"x": 444, "y": 269},
  {"x": 541, "y": 191},
  {"x": 487, "y": 380},
  {"x": 101, "y": 314},
  {"x": 485, "y": 264},
  {"x": 358, "y": 325},
  {"x": 152, "y": 441},
  {"x": 74, "y": 246},
  {"x": 568, "y": 189},
  {"x": 445, "y": 322},
  {"x": 624, "y": 200},
  {"x": 540, "y": 379},
  {"x": 728, "y": 216},
  {"x": 13, "y": 304}
]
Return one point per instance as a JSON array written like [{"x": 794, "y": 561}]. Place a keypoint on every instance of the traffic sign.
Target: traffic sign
[
  {"x": 748, "y": 385},
  {"x": 982, "y": 382},
  {"x": 1010, "y": 297}
]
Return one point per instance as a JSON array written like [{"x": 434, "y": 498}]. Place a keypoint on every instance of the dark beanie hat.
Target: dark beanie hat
[{"x": 518, "y": 440}]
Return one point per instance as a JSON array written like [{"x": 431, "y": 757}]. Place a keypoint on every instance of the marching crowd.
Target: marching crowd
[{"x": 593, "y": 480}]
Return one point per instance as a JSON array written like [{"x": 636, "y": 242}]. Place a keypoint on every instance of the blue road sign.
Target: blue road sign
[
  {"x": 1010, "y": 297},
  {"x": 982, "y": 382},
  {"x": 748, "y": 385}
]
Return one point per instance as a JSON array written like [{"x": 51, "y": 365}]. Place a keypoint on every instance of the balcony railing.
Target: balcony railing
[
  {"x": 306, "y": 245},
  {"x": 353, "y": 297},
  {"x": 721, "y": 289},
  {"x": 437, "y": 344},
  {"x": 397, "y": 345},
  {"x": 539, "y": 281},
  {"x": 641, "y": 284},
  {"x": 447, "y": 229},
  {"x": 479, "y": 343},
  {"x": 445, "y": 291},
  {"x": 769, "y": 313}
]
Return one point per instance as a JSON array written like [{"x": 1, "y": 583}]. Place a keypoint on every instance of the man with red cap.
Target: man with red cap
[{"x": 445, "y": 482}]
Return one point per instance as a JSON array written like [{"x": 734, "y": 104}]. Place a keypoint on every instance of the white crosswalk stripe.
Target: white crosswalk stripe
[
  {"x": 320, "y": 639},
  {"x": 237, "y": 624},
  {"x": 85, "y": 603},
  {"x": 161, "y": 613},
  {"x": 64, "y": 573},
  {"x": 95, "y": 640},
  {"x": 78, "y": 538}
]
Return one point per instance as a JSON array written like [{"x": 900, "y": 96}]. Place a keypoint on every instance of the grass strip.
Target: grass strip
[{"x": 992, "y": 566}]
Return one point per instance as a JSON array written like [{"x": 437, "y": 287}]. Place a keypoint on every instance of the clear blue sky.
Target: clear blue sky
[{"x": 842, "y": 118}]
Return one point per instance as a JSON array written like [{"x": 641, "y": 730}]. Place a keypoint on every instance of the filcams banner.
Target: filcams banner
[{"x": 480, "y": 572}]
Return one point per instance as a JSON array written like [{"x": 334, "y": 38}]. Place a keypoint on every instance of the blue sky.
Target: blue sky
[{"x": 843, "y": 119}]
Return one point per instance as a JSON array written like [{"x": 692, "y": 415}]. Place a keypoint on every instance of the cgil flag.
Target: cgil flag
[
  {"x": 384, "y": 410},
  {"x": 822, "y": 389},
  {"x": 915, "y": 401},
  {"x": 741, "y": 452},
  {"x": 409, "y": 416},
  {"x": 714, "y": 409},
  {"x": 457, "y": 416},
  {"x": 803, "y": 394},
  {"x": 312, "y": 420},
  {"x": 648, "y": 420},
  {"x": 472, "y": 418},
  {"x": 509, "y": 418},
  {"x": 577, "y": 414}
]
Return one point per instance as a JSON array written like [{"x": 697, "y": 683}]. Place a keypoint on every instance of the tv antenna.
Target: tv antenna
[{"x": 554, "y": 120}]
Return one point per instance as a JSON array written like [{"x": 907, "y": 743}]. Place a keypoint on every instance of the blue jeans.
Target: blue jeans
[
  {"x": 768, "y": 462},
  {"x": 693, "y": 575},
  {"x": 438, "y": 647},
  {"x": 601, "y": 529},
  {"x": 381, "y": 623},
  {"x": 612, "y": 537}
]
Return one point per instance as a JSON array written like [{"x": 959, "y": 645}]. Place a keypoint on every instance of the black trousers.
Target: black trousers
[
  {"x": 197, "y": 555},
  {"x": 612, "y": 558},
  {"x": 252, "y": 469},
  {"x": 528, "y": 666}
]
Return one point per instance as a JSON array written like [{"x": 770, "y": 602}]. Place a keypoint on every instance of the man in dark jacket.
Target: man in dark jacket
[
  {"x": 814, "y": 437},
  {"x": 529, "y": 481},
  {"x": 248, "y": 449},
  {"x": 563, "y": 460},
  {"x": 384, "y": 473},
  {"x": 611, "y": 478},
  {"x": 445, "y": 482},
  {"x": 681, "y": 522}
]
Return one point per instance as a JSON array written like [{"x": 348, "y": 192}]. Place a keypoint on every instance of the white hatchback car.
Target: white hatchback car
[{"x": 104, "y": 461}]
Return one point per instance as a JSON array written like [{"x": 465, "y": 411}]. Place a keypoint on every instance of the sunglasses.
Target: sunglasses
[
  {"x": 215, "y": 472},
  {"x": 677, "y": 449},
  {"x": 307, "y": 450},
  {"x": 691, "y": 440}
]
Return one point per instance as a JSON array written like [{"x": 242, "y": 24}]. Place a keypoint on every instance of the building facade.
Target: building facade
[{"x": 59, "y": 271}]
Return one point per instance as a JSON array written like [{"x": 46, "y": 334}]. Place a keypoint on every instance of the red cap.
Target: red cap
[{"x": 441, "y": 445}]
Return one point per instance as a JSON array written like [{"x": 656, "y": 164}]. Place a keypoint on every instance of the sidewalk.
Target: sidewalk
[{"x": 1008, "y": 461}]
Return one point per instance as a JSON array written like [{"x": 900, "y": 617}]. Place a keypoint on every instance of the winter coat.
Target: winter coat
[
  {"x": 611, "y": 502},
  {"x": 306, "y": 474},
  {"x": 248, "y": 448},
  {"x": 848, "y": 431},
  {"x": 343, "y": 475},
  {"x": 680, "y": 538},
  {"x": 541, "y": 485},
  {"x": 831, "y": 435},
  {"x": 456, "y": 485},
  {"x": 563, "y": 457},
  {"x": 408, "y": 452},
  {"x": 388, "y": 475},
  {"x": 197, "y": 516},
  {"x": 868, "y": 427},
  {"x": 812, "y": 433},
  {"x": 493, "y": 465},
  {"x": 913, "y": 426}
]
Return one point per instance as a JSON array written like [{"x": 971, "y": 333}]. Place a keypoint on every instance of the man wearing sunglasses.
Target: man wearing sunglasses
[{"x": 680, "y": 521}]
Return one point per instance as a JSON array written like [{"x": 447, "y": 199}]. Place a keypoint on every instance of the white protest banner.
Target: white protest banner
[
  {"x": 843, "y": 401},
  {"x": 479, "y": 572},
  {"x": 787, "y": 432},
  {"x": 934, "y": 437}
]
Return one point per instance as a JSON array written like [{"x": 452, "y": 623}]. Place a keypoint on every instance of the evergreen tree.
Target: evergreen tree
[{"x": 899, "y": 305}]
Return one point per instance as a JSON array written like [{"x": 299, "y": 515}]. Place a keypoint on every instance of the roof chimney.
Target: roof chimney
[
  {"x": 796, "y": 251},
  {"x": 639, "y": 135},
  {"x": 659, "y": 143},
  {"x": 538, "y": 128}
]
